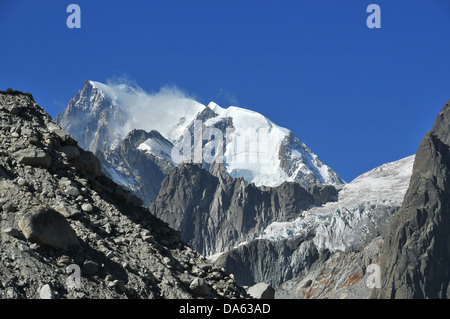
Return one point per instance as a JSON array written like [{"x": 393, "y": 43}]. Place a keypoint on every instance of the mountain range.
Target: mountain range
[
  {"x": 139, "y": 137},
  {"x": 159, "y": 196}
]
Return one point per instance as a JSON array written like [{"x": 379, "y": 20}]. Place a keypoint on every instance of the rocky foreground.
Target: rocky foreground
[{"x": 68, "y": 231}]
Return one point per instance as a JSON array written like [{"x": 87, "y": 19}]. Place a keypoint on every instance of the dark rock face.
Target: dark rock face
[
  {"x": 66, "y": 214},
  {"x": 415, "y": 260},
  {"x": 273, "y": 262},
  {"x": 216, "y": 212},
  {"x": 48, "y": 227}
]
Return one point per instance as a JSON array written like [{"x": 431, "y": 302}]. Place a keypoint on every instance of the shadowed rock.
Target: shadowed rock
[
  {"x": 415, "y": 260},
  {"x": 48, "y": 227}
]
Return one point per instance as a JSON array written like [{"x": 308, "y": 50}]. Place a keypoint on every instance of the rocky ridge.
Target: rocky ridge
[{"x": 68, "y": 231}]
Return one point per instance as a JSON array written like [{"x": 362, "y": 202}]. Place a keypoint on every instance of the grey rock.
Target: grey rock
[
  {"x": 72, "y": 191},
  {"x": 200, "y": 287},
  {"x": 8, "y": 207},
  {"x": 11, "y": 293},
  {"x": 21, "y": 182},
  {"x": 119, "y": 286},
  {"x": 261, "y": 291},
  {"x": 48, "y": 227},
  {"x": 46, "y": 292},
  {"x": 72, "y": 152},
  {"x": 11, "y": 231},
  {"x": 67, "y": 210},
  {"x": 268, "y": 261},
  {"x": 167, "y": 261},
  {"x": 33, "y": 157},
  {"x": 88, "y": 208}
]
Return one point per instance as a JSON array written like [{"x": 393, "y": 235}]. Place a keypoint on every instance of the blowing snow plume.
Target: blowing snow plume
[
  {"x": 105, "y": 116},
  {"x": 152, "y": 111}
]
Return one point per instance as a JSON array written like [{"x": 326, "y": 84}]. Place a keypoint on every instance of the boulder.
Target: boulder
[
  {"x": 87, "y": 163},
  {"x": 49, "y": 228},
  {"x": 71, "y": 152},
  {"x": 36, "y": 158},
  {"x": 46, "y": 292},
  {"x": 261, "y": 291}
]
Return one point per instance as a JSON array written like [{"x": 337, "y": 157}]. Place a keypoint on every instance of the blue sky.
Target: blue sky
[{"x": 358, "y": 97}]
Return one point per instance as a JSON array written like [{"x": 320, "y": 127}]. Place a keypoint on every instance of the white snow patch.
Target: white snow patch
[{"x": 157, "y": 148}]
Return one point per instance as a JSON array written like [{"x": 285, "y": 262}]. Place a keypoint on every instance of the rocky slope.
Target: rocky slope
[
  {"x": 215, "y": 212},
  {"x": 415, "y": 258},
  {"x": 249, "y": 145},
  {"x": 68, "y": 231}
]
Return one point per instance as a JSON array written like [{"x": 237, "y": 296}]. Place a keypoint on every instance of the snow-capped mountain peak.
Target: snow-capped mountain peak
[{"x": 249, "y": 144}]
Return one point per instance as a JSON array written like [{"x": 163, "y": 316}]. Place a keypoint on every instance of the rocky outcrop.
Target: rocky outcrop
[
  {"x": 415, "y": 259},
  {"x": 214, "y": 213},
  {"x": 68, "y": 231},
  {"x": 339, "y": 275},
  {"x": 273, "y": 262}
]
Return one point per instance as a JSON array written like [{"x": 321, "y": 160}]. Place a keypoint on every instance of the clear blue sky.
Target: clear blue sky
[{"x": 358, "y": 97}]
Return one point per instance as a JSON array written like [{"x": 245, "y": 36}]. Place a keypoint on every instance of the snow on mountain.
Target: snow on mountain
[
  {"x": 267, "y": 154},
  {"x": 360, "y": 214},
  {"x": 252, "y": 150},
  {"x": 156, "y": 147},
  {"x": 101, "y": 115},
  {"x": 167, "y": 111}
]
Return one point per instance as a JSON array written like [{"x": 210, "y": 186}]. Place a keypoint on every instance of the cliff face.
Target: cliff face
[
  {"x": 415, "y": 259},
  {"x": 273, "y": 262},
  {"x": 215, "y": 212}
]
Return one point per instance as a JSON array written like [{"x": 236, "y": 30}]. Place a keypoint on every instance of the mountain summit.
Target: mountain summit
[{"x": 103, "y": 118}]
